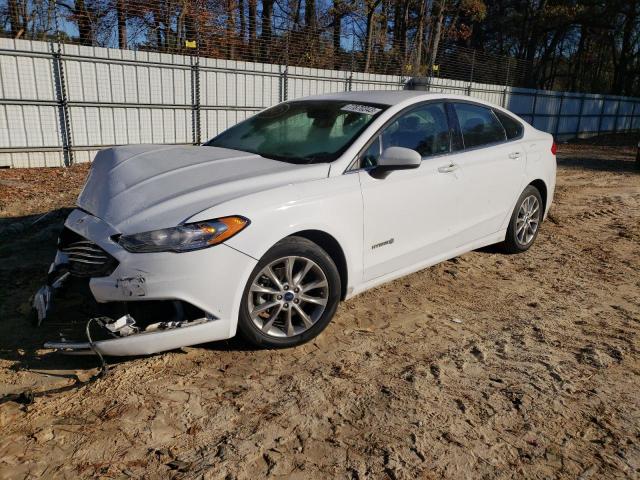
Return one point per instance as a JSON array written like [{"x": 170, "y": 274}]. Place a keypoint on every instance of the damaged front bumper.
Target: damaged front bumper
[
  {"x": 149, "y": 342},
  {"x": 212, "y": 280}
]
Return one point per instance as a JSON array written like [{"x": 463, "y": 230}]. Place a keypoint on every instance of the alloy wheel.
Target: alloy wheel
[
  {"x": 288, "y": 296},
  {"x": 528, "y": 220}
]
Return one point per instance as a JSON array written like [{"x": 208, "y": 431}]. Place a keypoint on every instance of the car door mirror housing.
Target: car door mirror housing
[{"x": 397, "y": 158}]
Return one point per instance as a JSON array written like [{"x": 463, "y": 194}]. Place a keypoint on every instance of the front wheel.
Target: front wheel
[
  {"x": 525, "y": 221},
  {"x": 291, "y": 296}
]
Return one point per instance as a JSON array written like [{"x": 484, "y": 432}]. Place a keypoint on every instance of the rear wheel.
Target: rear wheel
[
  {"x": 525, "y": 221},
  {"x": 291, "y": 296}
]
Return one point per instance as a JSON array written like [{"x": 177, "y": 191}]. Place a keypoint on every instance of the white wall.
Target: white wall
[{"x": 123, "y": 96}]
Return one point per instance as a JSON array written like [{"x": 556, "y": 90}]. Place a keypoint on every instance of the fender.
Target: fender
[{"x": 330, "y": 205}]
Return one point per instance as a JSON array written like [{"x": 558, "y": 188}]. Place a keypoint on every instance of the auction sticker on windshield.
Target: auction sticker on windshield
[{"x": 366, "y": 109}]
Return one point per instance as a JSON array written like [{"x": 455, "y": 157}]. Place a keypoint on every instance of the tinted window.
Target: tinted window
[
  {"x": 511, "y": 125},
  {"x": 424, "y": 129},
  {"x": 300, "y": 132},
  {"x": 456, "y": 134},
  {"x": 369, "y": 157},
  {"x": 479, "y": 125}
]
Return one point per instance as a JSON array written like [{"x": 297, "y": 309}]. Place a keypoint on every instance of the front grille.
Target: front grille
[{"x": 85, "y": 258}]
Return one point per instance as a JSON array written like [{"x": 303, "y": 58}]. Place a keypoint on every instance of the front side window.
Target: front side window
[
  {"x": 479, "y": 125},
  {"x": 513, "y": 128},
  {"x": 301, "y": 132},
  {"x": 424, "y": 129},
  {"x": 369, "y": 158}
]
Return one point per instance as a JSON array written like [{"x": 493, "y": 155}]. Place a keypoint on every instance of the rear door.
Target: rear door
[{"x": 490, "y": 170}]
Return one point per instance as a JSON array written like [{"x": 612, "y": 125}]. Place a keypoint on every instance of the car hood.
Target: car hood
[{"x": 146, "y": 187}]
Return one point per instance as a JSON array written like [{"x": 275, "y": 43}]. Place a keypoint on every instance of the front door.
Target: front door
[{"x": 409, "y": 215}]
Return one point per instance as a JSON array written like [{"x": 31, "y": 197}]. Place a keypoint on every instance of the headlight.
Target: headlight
[{"x": 185, "y": 238}]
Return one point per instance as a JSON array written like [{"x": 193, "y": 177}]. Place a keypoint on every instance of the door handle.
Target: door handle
[
  {"x": 515, "y": 155},
  {"x": 448, "y": 168}
]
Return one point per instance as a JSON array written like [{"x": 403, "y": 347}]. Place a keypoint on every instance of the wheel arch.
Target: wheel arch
[
  {"x": 542, "y": 188},
  {"x": 333, "y": 248}
]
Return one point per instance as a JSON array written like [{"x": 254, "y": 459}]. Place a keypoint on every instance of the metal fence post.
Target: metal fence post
[
  {"x": 559, "y": 116},
  {"x": 604, "y": 102},
  {"x": 63, "y": 107},
  {"x": 533, "y": 111},
  {"x": 615, "y": 118},
  {"x": 349, "y": 82},
  {"x": 196, "y": 130},
  {"x": 284, "y": 84},
  {"x": 473, "y": 64},
  {"x": 506, "y": 85},
  {"x": 580, "y": 114}
]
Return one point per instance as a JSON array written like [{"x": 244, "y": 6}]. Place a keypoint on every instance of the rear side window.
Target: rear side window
[
  {"x": 479, "y": 125},
  {"x": 513, "y": 127}
]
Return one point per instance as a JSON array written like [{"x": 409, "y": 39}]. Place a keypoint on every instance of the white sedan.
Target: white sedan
[{"x": 264, "y": 229}]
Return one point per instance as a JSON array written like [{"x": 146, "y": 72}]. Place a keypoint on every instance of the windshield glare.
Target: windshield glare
[{"x": 300, "y": 132}]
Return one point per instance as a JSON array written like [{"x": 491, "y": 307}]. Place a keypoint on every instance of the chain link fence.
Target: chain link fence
[{"x": 342, "y": 38}]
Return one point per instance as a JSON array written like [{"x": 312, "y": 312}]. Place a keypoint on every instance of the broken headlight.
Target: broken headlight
[{"x": 184, "y": 238}]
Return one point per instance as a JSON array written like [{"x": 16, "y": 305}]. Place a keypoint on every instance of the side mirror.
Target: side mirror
[{"x": 397, "y": 158}]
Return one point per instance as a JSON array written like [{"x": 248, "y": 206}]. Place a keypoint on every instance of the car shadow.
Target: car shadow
[
  {"x": 495, "y": 249},
  {"x": 27, "y": 247}
]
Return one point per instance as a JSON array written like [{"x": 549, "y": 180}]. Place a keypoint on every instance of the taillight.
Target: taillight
[{"x": 554, "y": 148}]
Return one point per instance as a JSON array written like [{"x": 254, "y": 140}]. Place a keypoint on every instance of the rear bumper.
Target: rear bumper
[{"x": 212, "y": 279}]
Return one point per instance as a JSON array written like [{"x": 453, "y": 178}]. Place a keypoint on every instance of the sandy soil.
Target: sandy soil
[{"x": 485, "y": 366}]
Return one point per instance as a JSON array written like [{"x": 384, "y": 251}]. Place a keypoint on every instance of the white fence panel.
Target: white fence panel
[{"x": 115, "y": 97}]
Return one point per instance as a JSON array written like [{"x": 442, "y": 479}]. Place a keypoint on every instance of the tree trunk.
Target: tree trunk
[
  {"x": 253, "y": 26},
  {"x": 422, "y": 20},
  {"x": 296, "y": 15},
  {"x": 369, "y": 34},
  {"x": 400, "y": 20},
  {"x": 243, "y": 21},
  {"x": 620, "y": 76},
  {"x": 337, "y": 30},
  {"x": 231, "y": 30},
  {"x": 310, "y": 18},
  {"x": 368, "y": 41},
  {"x": 122, "y": 24},
  {"x": 265, "y": 35},
  {"x": 577, "y": 63},
  {"x": 85, "y": 27},
  {"x": 532, "y": 45},
  {"x": 437, "y": 34},
  {"x": 16, "y": 18},
  {"x": 311, "y": 25}
]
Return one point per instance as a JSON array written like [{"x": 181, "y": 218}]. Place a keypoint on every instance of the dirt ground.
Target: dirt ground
[{"x": 485, "y": 366}]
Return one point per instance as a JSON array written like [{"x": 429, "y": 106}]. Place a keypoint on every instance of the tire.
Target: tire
[
  {"x": 291, "y": 296},
  {"x": 530, "y": 210}
]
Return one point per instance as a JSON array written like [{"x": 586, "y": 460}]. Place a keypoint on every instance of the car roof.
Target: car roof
[{"x": 383, "y": 97}]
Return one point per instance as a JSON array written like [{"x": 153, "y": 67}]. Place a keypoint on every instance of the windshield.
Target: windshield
[{"x": 300, "y": 132}]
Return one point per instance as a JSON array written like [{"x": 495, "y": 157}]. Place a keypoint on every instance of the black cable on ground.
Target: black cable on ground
[{"x": 104, "y": 368}]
